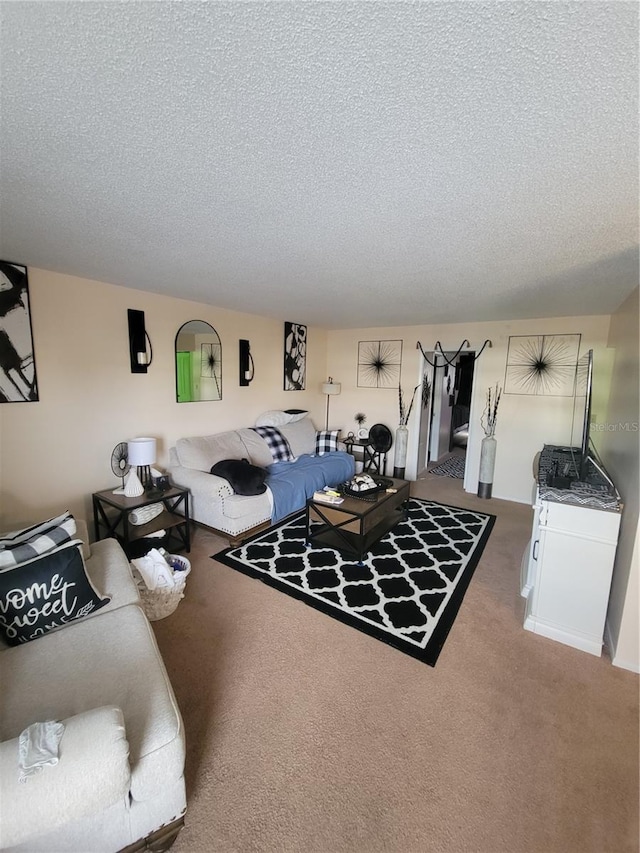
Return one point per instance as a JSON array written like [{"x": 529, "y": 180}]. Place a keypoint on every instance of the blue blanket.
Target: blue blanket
[{"x": 291, "y": 483}]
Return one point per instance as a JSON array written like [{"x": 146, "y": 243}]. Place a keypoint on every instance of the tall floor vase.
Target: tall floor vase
[
  {"x": 487, "y": 464},
  {"x": 400, "y": 452}
]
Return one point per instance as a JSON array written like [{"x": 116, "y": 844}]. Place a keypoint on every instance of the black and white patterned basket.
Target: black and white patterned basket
[{"x": 160, "y": 603}]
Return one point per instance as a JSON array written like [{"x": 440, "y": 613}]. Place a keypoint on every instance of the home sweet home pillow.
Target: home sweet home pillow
[{"x": 46, "y": 593}]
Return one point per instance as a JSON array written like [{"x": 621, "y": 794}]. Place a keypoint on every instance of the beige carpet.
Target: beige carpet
[{"x": 305, "y": 735}]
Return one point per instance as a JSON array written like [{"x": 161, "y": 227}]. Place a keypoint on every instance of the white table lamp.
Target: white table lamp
[{"x": 141, "y": 454}]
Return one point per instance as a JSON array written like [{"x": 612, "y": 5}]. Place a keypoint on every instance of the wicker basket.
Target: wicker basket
[{"x": 159, "y": 603}]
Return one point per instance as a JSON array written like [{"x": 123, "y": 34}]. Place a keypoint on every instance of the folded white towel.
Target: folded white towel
[
  {"x": 38, "y": 747},
  {"x": 155, "y": 570}
]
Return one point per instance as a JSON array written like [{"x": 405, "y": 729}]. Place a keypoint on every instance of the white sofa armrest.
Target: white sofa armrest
[
  {"x": 92, "y": 774},
  {"x": 204, "y": 484}
]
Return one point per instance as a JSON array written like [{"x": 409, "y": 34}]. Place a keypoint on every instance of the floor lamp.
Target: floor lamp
[{"x": 330, "y": 388}]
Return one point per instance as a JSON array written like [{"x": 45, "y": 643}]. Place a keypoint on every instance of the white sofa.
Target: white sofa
[
  {"x": 119, "y": 783},
  {"x": 214, "y": 502}
]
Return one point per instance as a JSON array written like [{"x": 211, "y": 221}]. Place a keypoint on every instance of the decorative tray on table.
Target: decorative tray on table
[{"x": 364, "y": 487}]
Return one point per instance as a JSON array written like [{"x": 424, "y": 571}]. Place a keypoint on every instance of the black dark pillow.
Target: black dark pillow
[
  {"x": 46, "y": 593},
  {"x": 244, "y": 478}
]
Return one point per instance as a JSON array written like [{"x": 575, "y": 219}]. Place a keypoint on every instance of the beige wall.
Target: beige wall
[
  {"x": 524, "y": 423},
  {"x": 620, "y": 453},
  {"x": 56, "y": 452}
]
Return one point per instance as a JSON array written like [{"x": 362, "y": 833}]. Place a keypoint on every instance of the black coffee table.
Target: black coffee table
[{"x": 353, "y": 526}]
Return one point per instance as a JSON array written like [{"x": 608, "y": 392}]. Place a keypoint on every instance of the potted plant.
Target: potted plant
[{"x": 360, "y": 418}]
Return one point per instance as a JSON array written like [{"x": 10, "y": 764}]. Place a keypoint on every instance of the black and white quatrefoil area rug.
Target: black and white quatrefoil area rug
[{"x": 406, "y": 592}]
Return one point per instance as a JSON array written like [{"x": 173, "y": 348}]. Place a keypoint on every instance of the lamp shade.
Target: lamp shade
[
  {"x": 141, "y": 451},
  {"x": 331, "y": 388}
]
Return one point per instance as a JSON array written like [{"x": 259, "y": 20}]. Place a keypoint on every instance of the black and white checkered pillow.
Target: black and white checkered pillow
[
  {"x": 326, "y": 441},
  {"x": 278, "y": 444},
  {"x": 34, "y": 541}
]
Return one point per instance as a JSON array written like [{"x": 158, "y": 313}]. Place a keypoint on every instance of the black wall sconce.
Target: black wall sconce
[
  {"x": 247, "y": 369},
  {"x": 138, "y": 340}
]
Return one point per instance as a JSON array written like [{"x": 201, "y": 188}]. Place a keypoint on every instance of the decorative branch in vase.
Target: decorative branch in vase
[
  {"x": 488, "y": 421},
  {"x": 402, "y": 433},
  {"x": 489, "y": 417},
  {"x": 404, "y": 413}
]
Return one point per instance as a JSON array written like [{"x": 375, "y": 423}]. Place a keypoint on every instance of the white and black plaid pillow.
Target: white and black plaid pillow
[
  {"x": 278, "y": 444},
  {"x": 34, "y": 541},
  {"x": 326, "y": 441}
]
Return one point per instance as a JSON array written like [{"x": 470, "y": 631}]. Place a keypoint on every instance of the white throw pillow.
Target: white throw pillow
[{"x": 273, "y": 418}]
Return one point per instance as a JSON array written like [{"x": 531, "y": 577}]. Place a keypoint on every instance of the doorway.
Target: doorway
[{"x": 444, "y": 422}]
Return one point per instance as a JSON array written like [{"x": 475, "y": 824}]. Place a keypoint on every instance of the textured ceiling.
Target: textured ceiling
[{"x": 338, "y": 164}]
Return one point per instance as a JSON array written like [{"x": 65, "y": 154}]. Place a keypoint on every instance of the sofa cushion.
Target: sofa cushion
[
  {"x": 34, "y": 541},
  {"x": 278, "y": 444},
  {"x": 110, "y": 572},
  {"x": 92, "y": 774},
  {"x": 252, "y": 510},
  {"x": 244, "y": 478},
  {"x": 301, "y": 436},
  {"x": 257, "y": 449},
  {"x": 201, "y": 452},
  {"x": 326, "y": 441},
  {"x": 112, "y": 659},
  {"x": 46, "y": 593}
]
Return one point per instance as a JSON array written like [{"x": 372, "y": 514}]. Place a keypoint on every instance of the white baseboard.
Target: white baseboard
[
  {"x": 574, "y": 639},
  {"x": 631, "y": 666}
]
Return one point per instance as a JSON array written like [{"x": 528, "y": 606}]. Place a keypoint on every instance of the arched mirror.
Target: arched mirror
[{"x": 198, "y": 363}]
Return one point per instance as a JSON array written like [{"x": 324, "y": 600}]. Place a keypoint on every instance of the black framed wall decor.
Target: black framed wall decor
[
  {"x": 18, "y": 379},
  {"x": 379, "y": 364},
  {"x": 295, "y": 356},
  {"x": 542, "y": 365}
]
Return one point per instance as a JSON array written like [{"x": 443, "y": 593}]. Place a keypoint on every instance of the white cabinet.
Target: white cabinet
[
  {"x": 566, "y": 572},
  {"x": 530, "y": 556}
]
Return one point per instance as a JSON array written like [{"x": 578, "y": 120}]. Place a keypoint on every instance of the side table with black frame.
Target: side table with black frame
[
  {"x": 111, "y": 519},
  {"x": 374, "y": 449}
]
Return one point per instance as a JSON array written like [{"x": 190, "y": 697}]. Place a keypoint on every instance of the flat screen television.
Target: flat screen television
[{"x": 581, "y": 422}]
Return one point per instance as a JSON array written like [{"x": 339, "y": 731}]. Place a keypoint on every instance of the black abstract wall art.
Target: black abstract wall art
[
  {"x": 542, "y": 365},
  {"x": 295, "y": 356},
  {"x": 18, "y": 381},
  {"x": 379, "y": 364}
]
